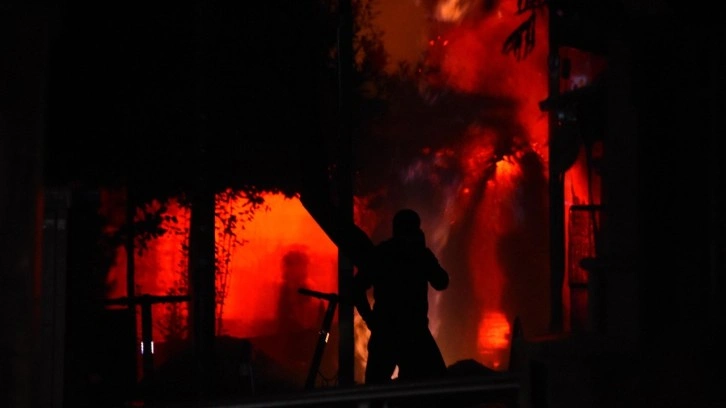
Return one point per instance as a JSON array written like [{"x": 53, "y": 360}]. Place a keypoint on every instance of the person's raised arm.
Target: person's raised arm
[{"x": 435, "y": 273}]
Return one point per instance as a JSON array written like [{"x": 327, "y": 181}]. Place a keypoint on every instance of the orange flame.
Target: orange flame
[
  {"x": 493, "y": 340},
  {"x": 280, "y": 248}
]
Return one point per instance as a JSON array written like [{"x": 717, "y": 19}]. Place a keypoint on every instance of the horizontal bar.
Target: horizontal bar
[
  {"x": 494, "y": 387},
  {"x": 333, "y": 297},
  {"x": 586, "y": 207},
  {"x": 148, "y": 299}
]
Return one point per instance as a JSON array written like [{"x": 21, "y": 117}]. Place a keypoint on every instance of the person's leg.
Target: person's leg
[
  {"x": 421, "y": 358},
  {"x": 381, "y": 362}
]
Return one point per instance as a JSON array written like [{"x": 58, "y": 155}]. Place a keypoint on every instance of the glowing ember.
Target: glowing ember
[{"x": 451, "y": 10}]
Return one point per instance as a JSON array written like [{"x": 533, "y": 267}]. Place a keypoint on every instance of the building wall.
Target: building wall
[{"x": 23, "y": 68}]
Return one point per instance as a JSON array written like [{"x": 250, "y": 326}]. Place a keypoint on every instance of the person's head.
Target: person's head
[
  {"x": 295, "y": 267},
  {"x": 406, "y": 222}
]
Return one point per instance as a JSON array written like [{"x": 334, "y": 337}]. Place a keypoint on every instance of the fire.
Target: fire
[
  {"x": 493, "y": 339},
  {"x": 451, "y": 10},
  {"x": 284, "y": 247},
  {"x": 479, "y": 191},
  {"x": 481, "y": 188},
  {"x": 472, "y": 62},
  {"x": 159, "y": 265},
  {"x": 278, "y": 249}
]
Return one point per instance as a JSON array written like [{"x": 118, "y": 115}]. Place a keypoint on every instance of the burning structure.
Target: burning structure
[
  {"x": 461, "y": 137},
  {"x": 463, "y": 141}
]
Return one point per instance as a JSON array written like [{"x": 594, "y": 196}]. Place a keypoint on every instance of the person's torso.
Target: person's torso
[{"x": 400, "y": 285}]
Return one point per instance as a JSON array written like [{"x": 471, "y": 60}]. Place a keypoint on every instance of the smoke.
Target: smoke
[{"x": 464, "y": 144}]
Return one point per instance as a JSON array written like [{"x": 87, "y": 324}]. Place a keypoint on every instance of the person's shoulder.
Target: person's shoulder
[
  {"x": 385, "y": 246},
  {"x": 386, "y": 243},
  {"x": 389, "y": 244}
]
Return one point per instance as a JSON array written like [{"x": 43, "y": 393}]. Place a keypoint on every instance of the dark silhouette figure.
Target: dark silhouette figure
[
  {"x": 400, "y": 270},
  {"x": 299, "y": 317}
]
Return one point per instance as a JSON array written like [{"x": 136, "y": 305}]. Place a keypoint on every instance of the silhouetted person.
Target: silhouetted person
[
  {"x": 400, "y": 270},
  {"x": 297, "y": 312},
  {"x": 298, "y": 317}
]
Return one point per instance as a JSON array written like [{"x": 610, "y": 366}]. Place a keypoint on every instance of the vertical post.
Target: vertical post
[
  {"x": 201, "y": 231},
  {"x": 717, "y": 221},
  {"x": 24, "y": 62},
  {"x": 201, "y": 282},
  {"x": 53, "y": 297},
  {"x": 556, "y": 182},
  {"x": 146, "y": 333},
  {"x": 130, "y": 261},
  {"x": 345, "y": 191},
  {"x": 320, "y": 345}
]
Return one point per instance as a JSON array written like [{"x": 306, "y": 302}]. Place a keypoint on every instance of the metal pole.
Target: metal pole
[
  {"x": 320, "y": 346},
  {"x": 556, "y": 183},
  {"x": 130, "y": 260},
  {"x": 201, "y": 231},
  {"x": 146, "y": 339},
  {"x": 345, "y": 191}
]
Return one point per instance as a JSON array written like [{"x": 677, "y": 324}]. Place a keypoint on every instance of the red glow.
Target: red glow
[
  {"x": 462, "y": 55},
  {"x": 281, "y": 249},
  {"x": 584, "y": 68},
  {"x": 582, "y": 187},
  {"x": 493, "y": 339},
  {"x": 495, "y": 217},
  {"x": 261, "y": 277},
  {"x": 473, "y": 63}
]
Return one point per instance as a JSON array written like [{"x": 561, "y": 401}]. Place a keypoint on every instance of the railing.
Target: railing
[
  {"x": 496, "y": 390},
  {"x": 146, "y": 301}
]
